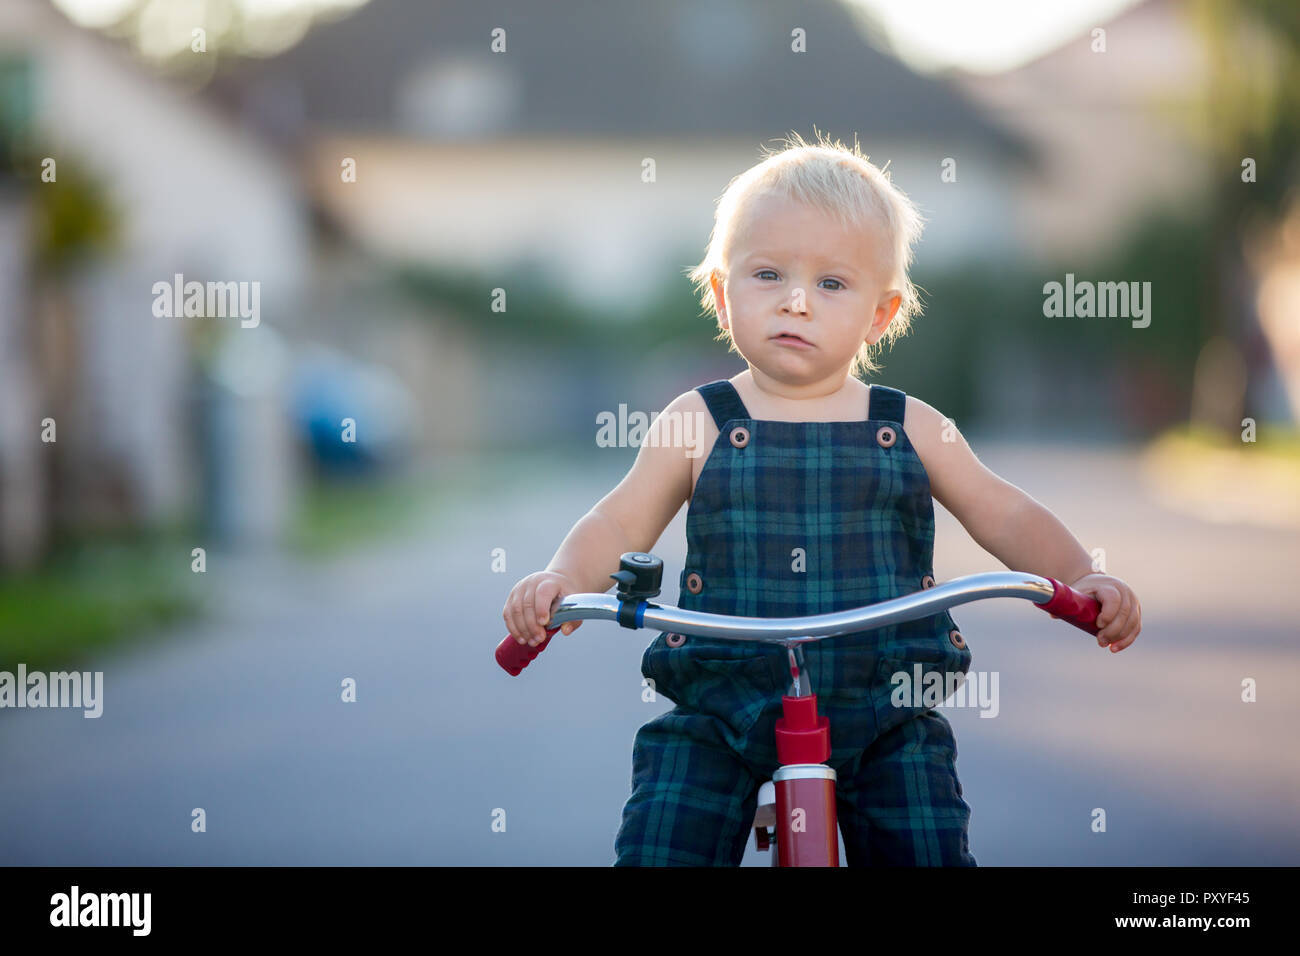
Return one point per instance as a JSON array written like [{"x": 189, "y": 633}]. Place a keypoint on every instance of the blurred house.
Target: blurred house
[
  {"x": 536, "y": 153},
  {"x": 536, "y": 156},
  {"x": 190, "y": 193}
]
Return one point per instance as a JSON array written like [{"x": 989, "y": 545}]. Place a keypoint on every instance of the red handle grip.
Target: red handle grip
[
  {"x": 1070, "y": 605},
  {"x": 514, "y": 657}
]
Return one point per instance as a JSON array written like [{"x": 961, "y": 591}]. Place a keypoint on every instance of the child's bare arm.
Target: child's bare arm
[
  {"x": 1014, "y": 527},
  {"x": 630, "y": 518}
]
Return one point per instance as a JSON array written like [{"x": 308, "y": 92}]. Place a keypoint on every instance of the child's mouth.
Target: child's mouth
[{"x": 794, "y": 341}]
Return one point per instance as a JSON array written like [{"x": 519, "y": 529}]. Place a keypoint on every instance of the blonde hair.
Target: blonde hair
[{"x": 829, "y": 176}]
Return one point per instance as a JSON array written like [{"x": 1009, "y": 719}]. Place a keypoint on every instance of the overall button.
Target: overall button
[
  {"x": 886, "y": 436},
  {"x": 675, "y": 640},
  {"x": 957, "y": 640},
  {"x": 740, "y": 436},
  {"x": 694, "y": 583},
  {"x": 927, "y": 581}
]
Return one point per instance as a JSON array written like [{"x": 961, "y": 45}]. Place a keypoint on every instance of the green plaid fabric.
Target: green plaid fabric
[{"x": 803, "y": 518}]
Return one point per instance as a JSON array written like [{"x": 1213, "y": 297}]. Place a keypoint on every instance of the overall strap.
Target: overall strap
[
  {"x": 886, "y": 404},
  {"x": 723, "y": 401}
]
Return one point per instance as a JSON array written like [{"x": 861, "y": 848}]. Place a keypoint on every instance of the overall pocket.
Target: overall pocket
[
  {"x": 730, "y": 680},
  {"x": 905, "y": 686}
]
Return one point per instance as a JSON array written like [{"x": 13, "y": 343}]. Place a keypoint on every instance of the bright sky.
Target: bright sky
[
  {"x": 164, "y": 28},
  {"x": 98, "y": 13},
  {"x": 977, "y": 35},
  {"x": 985, "y": 36}
]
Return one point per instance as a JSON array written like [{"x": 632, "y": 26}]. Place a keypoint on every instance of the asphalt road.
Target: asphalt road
[{"x": 241, "y": 714}]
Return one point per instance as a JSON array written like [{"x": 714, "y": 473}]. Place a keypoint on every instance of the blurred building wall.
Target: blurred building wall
[
  {"x": 581, "y": 210},
  {"x": 191, "y": 193}
]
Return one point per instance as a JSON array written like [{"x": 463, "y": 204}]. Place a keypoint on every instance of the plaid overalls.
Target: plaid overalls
[{"x": 793, "y": 518}]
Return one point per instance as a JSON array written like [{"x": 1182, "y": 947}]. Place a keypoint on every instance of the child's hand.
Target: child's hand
[
  {"x": 528, "y": 608},
  {"x": 1120, "y": 618}
]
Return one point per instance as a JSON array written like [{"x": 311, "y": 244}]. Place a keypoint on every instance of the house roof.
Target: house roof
[{"x": 602, "y": 68}]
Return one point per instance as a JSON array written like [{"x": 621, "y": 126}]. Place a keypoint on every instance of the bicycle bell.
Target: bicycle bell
[{"x": 639, "y": 576}]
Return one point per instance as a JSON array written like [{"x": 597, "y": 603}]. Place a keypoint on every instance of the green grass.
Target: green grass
[{"x": 89, "y": 596}]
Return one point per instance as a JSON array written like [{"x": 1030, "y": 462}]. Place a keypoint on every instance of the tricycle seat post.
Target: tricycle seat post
[
  {"x": 801, "y": 736},
  {"x": 800, "y": 682}
]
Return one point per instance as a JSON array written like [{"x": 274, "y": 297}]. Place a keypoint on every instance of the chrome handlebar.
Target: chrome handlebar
[{"x": 813, "y": 627}]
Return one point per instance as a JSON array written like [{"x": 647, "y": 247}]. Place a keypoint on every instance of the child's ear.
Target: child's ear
[
  {"x": 886, "y": 309},
  {"x": 719, "y": 298},
  {"x": 890, "y": 307}
]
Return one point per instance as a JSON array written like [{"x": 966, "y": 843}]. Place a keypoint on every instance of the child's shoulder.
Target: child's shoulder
[
  {"x": 690, "y": 400},
  {"x": 689, "y": 414},
  {"x": 920, "y": 412}
]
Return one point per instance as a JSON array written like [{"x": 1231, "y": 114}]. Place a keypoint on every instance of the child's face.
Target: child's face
[{"x": 794, "y": 269}]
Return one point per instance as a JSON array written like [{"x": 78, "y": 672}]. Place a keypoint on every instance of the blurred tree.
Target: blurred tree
[
  {"x": 75, "y": 219},
  {"x": 1252, "y": 123},
  {"x": 74, "y": 222}
]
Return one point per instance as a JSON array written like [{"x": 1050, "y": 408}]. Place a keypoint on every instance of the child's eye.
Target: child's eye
[
  {"x": 763, "y": 272},
  {"x": 838, "y": 284}
]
